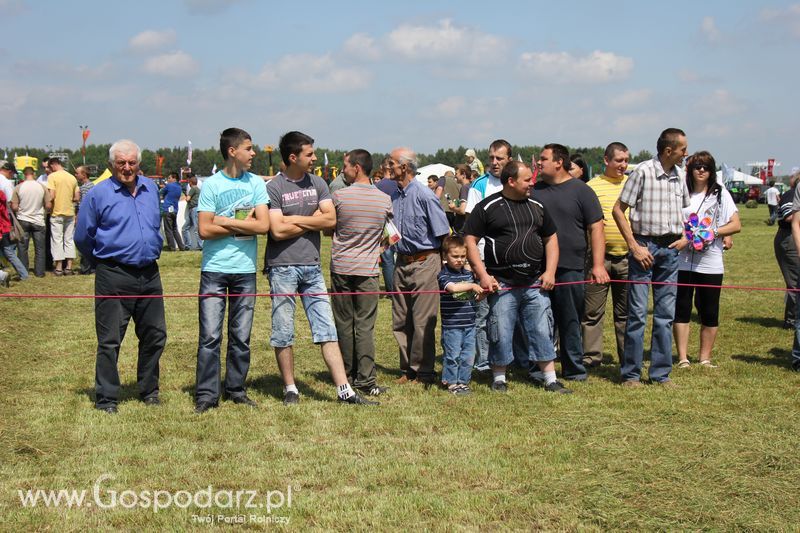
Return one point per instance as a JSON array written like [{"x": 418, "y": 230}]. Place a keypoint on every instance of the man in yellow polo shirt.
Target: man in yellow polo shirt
[
  {"x": 64, "y": 188},
  {"x": 607, "y": 187}
]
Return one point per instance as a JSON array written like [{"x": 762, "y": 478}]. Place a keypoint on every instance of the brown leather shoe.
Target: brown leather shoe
[
  {"x": 402, "y": 380},
  {"x": 632, "y": 383}
]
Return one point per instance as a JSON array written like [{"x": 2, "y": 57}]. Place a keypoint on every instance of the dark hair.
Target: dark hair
[
  {"x": 54, "y": 160},
  {"x": 292, "y": 144},
  {"x": 452, "y": 241},
  {"x": 705, "y": 159},
  {"x": 173, "y": 175},
  {"x": 188, "y": 174},
  {"x": 475, "y": 174},
  {"x": 464, "y": 169},
  {"x": 613, "y": 147},
  {"x": 560, "y": 153},
  {"x": 232, "y": 138},
  {"x": 577, "y": 159},
  {"x": 433, "y": 177},
  {"x": 511, "y": 170},
  {"x": 500, "y": 143},
  {"x": 668, "y": 139},
  {"x": 362, "y": 158}
]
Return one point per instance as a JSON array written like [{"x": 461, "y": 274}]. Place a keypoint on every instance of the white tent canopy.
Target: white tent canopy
[
  {"x": 435, "y": 168},
  {"x": 728, "y": 175}
]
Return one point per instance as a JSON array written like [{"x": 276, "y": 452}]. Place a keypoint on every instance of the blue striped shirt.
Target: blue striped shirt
[{"x": 456, "y": 313}]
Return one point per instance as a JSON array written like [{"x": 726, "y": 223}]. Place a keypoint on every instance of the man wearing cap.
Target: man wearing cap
[
  {"x": 64, "y": 188},
  {"x": 422, "y": 224},
  {"x": 473, "y": 162},
  {"x": 118, "y": 226}
]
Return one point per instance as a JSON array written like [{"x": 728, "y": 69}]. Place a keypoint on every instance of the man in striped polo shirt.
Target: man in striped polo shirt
[
  {"x": 607, "y": 188},
  {"x": 361, "y": 212}
]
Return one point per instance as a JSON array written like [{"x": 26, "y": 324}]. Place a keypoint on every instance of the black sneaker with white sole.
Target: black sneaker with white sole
[
  {"x": 375, "y": 390},
  {"x": 291, "y": 398},
  {"x": 558, "y": 388},
  {"x": 356, "y": 399}
]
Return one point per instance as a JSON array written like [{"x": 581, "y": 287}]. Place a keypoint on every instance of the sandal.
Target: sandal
[
  {"x": 58, "y": 272},
  {"x": 68, "y": 272},
  {"x": 684, "y": 363},
  {"x": 708, "y": 364}
]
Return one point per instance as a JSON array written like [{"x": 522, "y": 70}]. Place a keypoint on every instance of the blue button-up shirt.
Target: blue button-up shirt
[
  {"x": 419, "y": 217},
  {"x": 113, "y": 224}
]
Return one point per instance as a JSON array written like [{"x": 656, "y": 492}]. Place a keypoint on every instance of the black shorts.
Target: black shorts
[{"x": 706, "y": 299}]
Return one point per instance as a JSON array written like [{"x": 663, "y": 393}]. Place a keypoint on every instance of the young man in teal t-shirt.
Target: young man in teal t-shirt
[{"x": 232, "y": 212}]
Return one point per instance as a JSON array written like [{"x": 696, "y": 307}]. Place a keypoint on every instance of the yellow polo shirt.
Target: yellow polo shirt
[
  {"x": 63, "y": 185},
  {"x": 607, "y": 191}
]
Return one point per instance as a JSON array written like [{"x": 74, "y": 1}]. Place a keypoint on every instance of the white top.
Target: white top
[
  {"x": 709, "y": 261},
  {"x": 772, "y": 195}
]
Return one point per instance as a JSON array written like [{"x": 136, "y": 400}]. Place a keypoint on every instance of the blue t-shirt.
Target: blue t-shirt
[
  {"x": 172, "y": 195},
  {"x": 221, "y": 195},
  {"x": 456, "y": 313}
]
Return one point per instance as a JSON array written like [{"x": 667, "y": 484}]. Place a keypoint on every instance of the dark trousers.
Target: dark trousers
[
  {"x": 171, "y": 231},
  {"x": 240, "y": 323},
  {"x": 38, "y": 234},
  {"x": 355, "y": 326},
  {"x": 568, "y": 305},
  {"x": 111, "y": 322},
  {"x": 789, "y": 264}
]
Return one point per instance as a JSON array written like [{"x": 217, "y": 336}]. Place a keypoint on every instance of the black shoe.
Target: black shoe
[
  {"x": 243, "y": 400},
  {"x": 202, "y": 407},
  {"x": 111, "y": 409},
  {"x": 355, "y": 399},
  {"x": 375, "y": 390},
  {"x": 153, "y": 400},
  {"x": 558, "y": 388},
  {"x": 291, "y": 398},
  {"x": 500, "y": 386}
]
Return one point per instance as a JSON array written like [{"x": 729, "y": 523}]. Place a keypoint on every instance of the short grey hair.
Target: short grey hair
[
  {"x": 408, "y": 157},
  {"x": 124, "y": 146}
]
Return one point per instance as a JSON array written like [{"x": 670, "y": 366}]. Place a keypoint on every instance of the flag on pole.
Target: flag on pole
[
  {"x": 519, "y": 158},
  {"x": 214, "y": 169},
  {"x": 189, "y": 154},
  {"x": 326, "y": 159}
]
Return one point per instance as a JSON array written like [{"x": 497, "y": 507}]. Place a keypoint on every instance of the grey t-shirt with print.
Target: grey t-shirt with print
[{"x": 295, "y": 198}]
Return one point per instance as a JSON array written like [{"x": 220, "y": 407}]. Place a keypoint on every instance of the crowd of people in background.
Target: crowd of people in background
[{"x": 518, "y": 270}]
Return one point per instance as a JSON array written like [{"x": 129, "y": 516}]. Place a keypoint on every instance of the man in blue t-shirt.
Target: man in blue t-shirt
[
  {"x": 171, "y": 193},
  {"x": 232, "y": 211}
]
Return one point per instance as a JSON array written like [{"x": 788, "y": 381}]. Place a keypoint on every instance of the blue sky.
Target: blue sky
[{"x": 423, "y": 74}]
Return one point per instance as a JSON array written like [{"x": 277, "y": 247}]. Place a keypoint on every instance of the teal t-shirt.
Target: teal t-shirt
[{"x": 222, "y": 195}]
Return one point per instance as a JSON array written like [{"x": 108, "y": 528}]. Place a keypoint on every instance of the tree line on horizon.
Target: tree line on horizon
[{"x": 204, "y": 159}]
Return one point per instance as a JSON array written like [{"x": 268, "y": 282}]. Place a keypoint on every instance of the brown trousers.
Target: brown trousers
[{"x": 595, "y": 309}]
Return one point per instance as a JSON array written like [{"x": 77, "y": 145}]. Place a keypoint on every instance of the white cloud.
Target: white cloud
[
  {"x": 149, "y": 40},
  {"x": 451, "y": 106},
  {"x": 636, "y": 123},
  {"x": 311, "y": 74},
  {"x": 460, "y": 44},
  {"x": 361, "y": 45},
  {"x": 563, "y": 67},
  {"x": 787, "y": 19},
  {"x": 709, "y": 30},
  {"x": 721, "y": 102},
  {"x": 633, "y": 98},
  {"x": 172, "y": 64}
]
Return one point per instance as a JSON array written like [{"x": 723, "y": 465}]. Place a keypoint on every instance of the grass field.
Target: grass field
[{"x": 717, "y": 453}]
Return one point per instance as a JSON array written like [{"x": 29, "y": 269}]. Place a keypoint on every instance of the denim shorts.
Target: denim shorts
[
  {"x": 302, "y": 279},
  {"x": 529, "y": 306}
]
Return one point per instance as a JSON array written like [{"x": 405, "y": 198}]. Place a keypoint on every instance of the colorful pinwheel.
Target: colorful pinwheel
[{"x": 698, "y": 232}]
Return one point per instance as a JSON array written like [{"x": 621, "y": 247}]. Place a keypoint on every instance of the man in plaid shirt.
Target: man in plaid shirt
[{"x": 656, "y": 193}]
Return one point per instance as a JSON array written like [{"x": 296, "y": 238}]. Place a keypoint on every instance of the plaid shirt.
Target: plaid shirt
[{"x": 656, "y": 199}]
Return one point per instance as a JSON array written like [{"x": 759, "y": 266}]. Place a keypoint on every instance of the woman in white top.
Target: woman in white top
[{"x": 712, "y": 209}]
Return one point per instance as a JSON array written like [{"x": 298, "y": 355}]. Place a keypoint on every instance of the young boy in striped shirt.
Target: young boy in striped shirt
[{"x": 458, "y": 316}]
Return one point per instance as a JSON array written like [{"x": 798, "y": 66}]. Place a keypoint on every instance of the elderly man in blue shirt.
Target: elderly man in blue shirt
[
  {"x": 422, "y": 224},
  {"x": 118, "y": 227}
]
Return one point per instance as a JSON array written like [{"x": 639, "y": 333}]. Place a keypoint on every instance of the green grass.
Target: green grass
[{"x": 719, "y": 453}]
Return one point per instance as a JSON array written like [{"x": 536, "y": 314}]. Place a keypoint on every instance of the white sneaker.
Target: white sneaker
[{"x": 5, "y": 279}]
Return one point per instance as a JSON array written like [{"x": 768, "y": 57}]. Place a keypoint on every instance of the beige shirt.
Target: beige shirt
[{"x": 30, "y": 195}]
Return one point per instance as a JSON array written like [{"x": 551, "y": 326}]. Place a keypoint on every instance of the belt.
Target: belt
[
  {"x": 417, "y": 257},
  {"x": 611, "y": 257},
  {"x": 660, "y": 240},
  {"x": 112, "y": 263}
]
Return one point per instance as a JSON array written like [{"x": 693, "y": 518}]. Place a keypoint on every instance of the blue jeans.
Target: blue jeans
[
  {"x": 568, "y": 303},
  {"x": 664, "y": 269},
  {"x": 531, "y": 307},
  {"x": 10, "y": 253},
  {"x": 796, "y": 344},
  {"x": 387, "y": 268},
  {"x": 481, "y": 340},
  {"x": 240, "y": 322},
  {"x": 302, "y": 279},
  {"x": 459, "y": 352},
  {"x": 189, "y": 231}
]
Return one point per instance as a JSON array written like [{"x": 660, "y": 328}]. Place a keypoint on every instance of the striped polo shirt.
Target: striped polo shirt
[
  {"x": 456, "y": 313},
  {"x": 361, "y": 212},
  {"x": 607, "y": 190}
]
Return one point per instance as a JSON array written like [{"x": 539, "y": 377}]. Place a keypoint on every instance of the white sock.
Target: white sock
[
  {"x": 344, "y": 391},
  {"x": 499, "y": 376},
  {"x": 291, "y": 388},
  {"x": 549, "y": 377}
]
